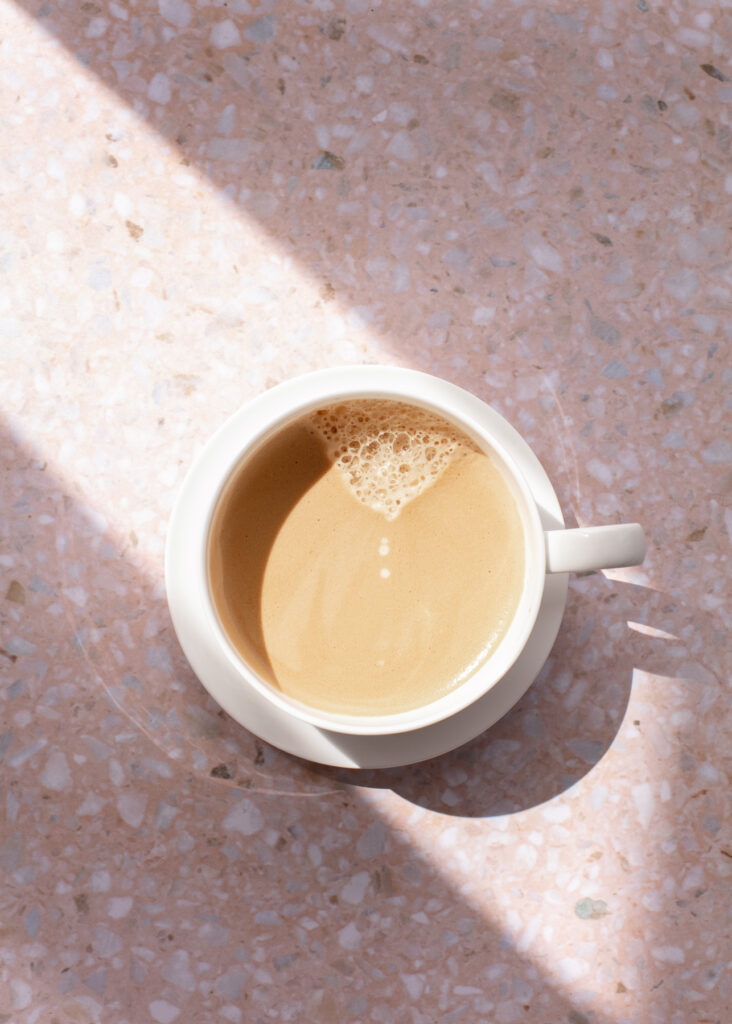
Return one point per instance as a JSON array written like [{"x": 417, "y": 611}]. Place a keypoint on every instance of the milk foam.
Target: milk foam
[{"x": 388, "y": 453}]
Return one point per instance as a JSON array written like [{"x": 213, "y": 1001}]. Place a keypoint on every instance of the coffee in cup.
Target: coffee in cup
[{"x": 367, "y": 558}]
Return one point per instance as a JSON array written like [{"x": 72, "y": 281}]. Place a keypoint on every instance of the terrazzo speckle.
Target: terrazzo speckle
[{"x": 201, "y": 200}]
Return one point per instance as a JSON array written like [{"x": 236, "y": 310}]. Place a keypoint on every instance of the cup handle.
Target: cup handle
[{"x": 594, "y": 547}]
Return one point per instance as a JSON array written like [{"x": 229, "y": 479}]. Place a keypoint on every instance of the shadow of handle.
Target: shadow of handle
[{"x": 595, "y": 547}]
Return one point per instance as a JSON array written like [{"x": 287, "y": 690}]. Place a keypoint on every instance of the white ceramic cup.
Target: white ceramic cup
[{"x": 555, "y": 551}]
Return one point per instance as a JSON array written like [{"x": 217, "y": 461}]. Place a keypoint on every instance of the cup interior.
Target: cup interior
[{"x": 448, "y": 402}]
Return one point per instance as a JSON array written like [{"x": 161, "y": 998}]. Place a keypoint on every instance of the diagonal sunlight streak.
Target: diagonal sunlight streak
[
  {"x": 147, "y": 241},
  {"x": 97, "y": 519}
]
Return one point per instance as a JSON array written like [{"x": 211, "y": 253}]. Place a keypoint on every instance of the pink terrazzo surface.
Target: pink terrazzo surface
[{"x": 200, "y": 200}]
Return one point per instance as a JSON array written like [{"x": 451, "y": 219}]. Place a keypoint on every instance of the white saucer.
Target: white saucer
[{"x": 256, "y": 714}]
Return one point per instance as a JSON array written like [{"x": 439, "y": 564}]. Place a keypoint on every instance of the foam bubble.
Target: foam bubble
[{"x": 388, "y": 452}]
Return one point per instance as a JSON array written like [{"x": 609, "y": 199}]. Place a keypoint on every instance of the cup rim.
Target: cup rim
[{"x": 263, "y": 417}]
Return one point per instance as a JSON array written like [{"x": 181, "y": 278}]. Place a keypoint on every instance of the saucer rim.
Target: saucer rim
[{"x": 347, "y": 750}]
